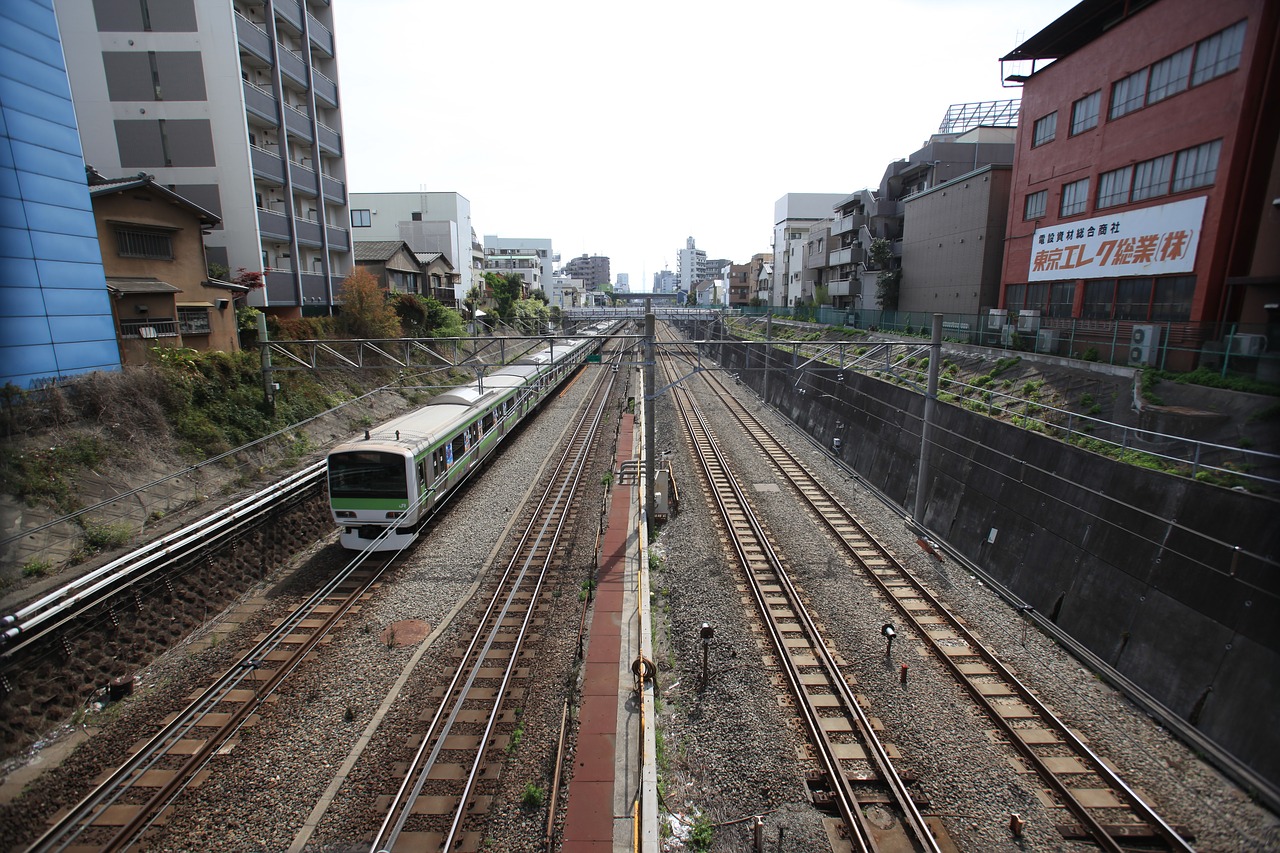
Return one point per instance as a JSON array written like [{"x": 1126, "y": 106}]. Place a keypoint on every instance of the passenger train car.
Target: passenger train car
[{"x": 384, "y": 485}]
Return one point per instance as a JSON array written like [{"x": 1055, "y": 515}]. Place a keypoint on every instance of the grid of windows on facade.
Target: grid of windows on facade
[
  {"x": 1184, "y": 170},
  {"x": 1162, "y": 299},
  {"x": 1075, "y": 197},
  {"x": 361, "y": 219},
  {"x": 193, "y": 321},
  {"x": 1199, "y": 63},
  {"x": 1084, "y": 113},
  {"x": 1036, "y": 205}
]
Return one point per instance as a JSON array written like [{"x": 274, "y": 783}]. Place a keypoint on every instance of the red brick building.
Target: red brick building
[{"x": 1146, "y": 190}]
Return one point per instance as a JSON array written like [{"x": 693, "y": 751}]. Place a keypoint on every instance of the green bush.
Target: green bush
[{"x": 533, "y": 797}]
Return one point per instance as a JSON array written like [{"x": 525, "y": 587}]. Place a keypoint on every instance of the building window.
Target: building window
[
  {"x": 139, "y": 243},
  {"x": 1075, "y": 197},
  {"x": 1014, "y": 294},
  {"x": 1218, "y": 54},
  {"x": 1099, "y": 296},
  {"x": 1151, "y": 177},
  {"x": 1113, "y": 187},
  {"x": 1133, "y": 298},
  {"x": 1169, "y": 76},
  {"x": 1128, "y": 94},
  {"x": 1044, "y": 129},
  {"x": 361, "y": 219},
  {"x": 1172, "y": 299},
  {"x": 1062, "y": 298},
  {"x": 193, "y": 321},
  {"x": 1084, "y": 113},
  {"x": 1196, "y": 167},
  {"x": 1036, "y": 203}
]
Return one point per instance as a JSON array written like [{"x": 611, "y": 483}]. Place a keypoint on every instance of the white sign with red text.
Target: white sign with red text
[{"x": 1157, "y": 240}]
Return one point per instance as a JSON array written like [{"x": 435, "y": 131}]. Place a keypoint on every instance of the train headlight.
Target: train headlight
[
  {"x": 394, "y": 514},
  {"x": 344, "y": 513}
]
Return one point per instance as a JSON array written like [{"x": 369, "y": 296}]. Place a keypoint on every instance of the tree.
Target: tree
[
  {"x": 506, "y": 290},
  {"x": 530, "y": 315},
  {"x": 889, "y": 282},
  {"x": 366, "y": 312},
  {"x": 425, "y": 317}
]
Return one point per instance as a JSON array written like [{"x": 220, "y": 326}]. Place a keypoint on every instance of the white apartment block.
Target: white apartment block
[
  {"x": 665, "y": 282},
  {"x": 540, "y": 246},
  {"x": 427, "y": 221},
  {"x": 623, "y": 283},
  {"x": 691, "y": 266},
  {"x": 793, "y": 215},
  {"x": 235, "y": 106}
]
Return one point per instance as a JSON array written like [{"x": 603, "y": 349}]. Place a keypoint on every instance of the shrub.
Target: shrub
[{"x": 533, "y": 797}]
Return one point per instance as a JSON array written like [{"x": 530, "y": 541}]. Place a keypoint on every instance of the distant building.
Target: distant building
[
  {"x": 1144, "y": 192},
  {"x": 593, "y": 270},
  {"x": 508, "y": 262},
  {"x": 665, "y": 282},
  {"x": 427, "y": 221},
  {"x": 538, "y": 246},
  {"x": 793, "y": 215},
  {"x": 236, "y": 108},
  {"x": 691, "y": 266},
  {"x": 623, "y": 283},
  {"x": 566, "y": 292},
  {"x": 392, "y": 263},
  {"x": 55, "y": 312}
]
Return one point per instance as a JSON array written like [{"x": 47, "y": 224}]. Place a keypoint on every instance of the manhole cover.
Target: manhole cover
[{"x": 407, "y": 632}]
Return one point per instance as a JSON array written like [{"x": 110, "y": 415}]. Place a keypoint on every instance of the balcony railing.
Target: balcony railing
[
  {"x": 297, "y": 123},
  {"x": 290, "y": 11},
  {"x": 840, "y": 257},
  {"x": 330, "y": 140},
  {"x": 308, "y": 232},
  {"x": 334, "y": 189},
  {"x": 293, "y": 65},
  {"x": 149, "y": 328},
  {"x": 273, "y": 224},
  {"x": 321, "y": 38},
  {"x": 326, "y": 90},
  {"x": 266, "y": 164},
  {"x": 261, "y": 103},
  {"x": 253, "y": 38},
  {"x": 339, "y": 239}
]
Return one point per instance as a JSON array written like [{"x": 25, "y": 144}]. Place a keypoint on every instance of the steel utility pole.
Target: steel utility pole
[
  {"x": 926, "y": 427},
  {"x": 650, "y": 401}
]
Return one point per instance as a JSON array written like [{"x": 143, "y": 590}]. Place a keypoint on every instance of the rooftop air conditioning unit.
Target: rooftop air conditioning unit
[
  {"x": 1144, "y": 345},
  {"x": 1028, "y": 321},
  {"x": 1047, "y": 340},
  {"x": 996, "y": 318},
  {"x": 1248, "y": 345}
]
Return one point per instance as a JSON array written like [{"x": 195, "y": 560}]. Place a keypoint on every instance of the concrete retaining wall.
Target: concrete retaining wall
[{"x": 1170, "y": 581}]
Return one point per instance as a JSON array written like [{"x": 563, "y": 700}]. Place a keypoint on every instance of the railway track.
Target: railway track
[
  {"x": 1096, "y": 804},
  {"x": 443, "y": 798},
  {"x": 133, "y": 798},
  {"x": 853, "y": 772}
]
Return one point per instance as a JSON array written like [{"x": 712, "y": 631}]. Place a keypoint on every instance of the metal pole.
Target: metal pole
[
  {"x": 768, "y": 345},
  {"x": 650, "y": 400},
  {"x": 926, "y": 427},
  {"x": 268, "y": 386}
]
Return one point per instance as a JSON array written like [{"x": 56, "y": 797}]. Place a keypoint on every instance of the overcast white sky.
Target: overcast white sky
[{"x": 621, "y": 130}]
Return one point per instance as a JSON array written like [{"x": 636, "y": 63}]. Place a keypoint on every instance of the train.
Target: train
[{"x": 383, "y": 486}]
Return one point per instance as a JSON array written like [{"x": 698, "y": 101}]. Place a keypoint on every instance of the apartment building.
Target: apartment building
[
  {"x": 538, "y": 246},
  {"x": 234, "y": 106},
  {"x": 593, "y": 270},
  {"x": 793, "y": 215},
  {"x": 691, "y": 266},
  {"x": 1145, "y": 194},
  {"x": 428, "y": 222},
  {"x": 55, "y": 313}
]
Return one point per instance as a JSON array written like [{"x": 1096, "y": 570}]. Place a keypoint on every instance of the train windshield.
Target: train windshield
[{"x": 367, "y": 474}]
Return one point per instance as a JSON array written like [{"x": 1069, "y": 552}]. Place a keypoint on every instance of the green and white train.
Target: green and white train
[{"x": 383, "y": 486}]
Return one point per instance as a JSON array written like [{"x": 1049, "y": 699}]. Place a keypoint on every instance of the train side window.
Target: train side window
[
  {"x": 459, "y": 446},
  {"x": 487, "y": 423}
]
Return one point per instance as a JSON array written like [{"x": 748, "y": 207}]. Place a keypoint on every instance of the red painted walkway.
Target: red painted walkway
[{"x": 590, "y": 818}]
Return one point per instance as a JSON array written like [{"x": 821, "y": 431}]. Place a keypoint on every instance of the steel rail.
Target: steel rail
[
  {"x": 49, "y": 613},
  {"x": 716, "y": 470},
  {"x": 539, "y": 537},
  {"x": 840, "y": 520},
  {"x": 80, "y": 817}
]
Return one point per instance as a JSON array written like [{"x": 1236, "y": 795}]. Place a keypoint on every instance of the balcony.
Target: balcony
[
  {"x": 289, "y": 11},
  {"x": 308, "y": 232},
  {"x": 304, "y": 179},
  {"x": 297, "y": 123},
  {"x": 330, "y": 140},
  {"x": 326, "y": 90},
  {"x": 280, "y": 287},
  {"x": 838, "y": 288},
  {"x": 273, "y": 225},
  {"x": 321, "y": 38},
  {"x": 293, "y": 66},
  {"x": 253, "y": 38},
  {"x": 334, "y": 190},
  {"x": 261, "y": 103},
  {"x": 266, "y": 165},
  {"x": 840, "y": 257},
  {"x": 315, "y": 289},
  {"x": 150, "y": 328},
  {"x": 339, "y": 239}
]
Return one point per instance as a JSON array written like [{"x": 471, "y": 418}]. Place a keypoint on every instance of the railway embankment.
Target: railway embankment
[{"x": 1166, "y": 581}]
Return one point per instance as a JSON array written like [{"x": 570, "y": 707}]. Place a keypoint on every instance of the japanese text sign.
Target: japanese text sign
[{"x": 1158, "y": 240}]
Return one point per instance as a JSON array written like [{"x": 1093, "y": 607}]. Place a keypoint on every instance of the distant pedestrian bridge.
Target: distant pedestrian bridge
[{"x": 665, "y": 311}]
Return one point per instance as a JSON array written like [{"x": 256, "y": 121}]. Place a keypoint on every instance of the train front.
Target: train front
[{"x": 369, "y": 492}]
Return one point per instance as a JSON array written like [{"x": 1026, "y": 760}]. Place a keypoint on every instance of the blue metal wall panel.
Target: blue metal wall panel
[{"x": 55, "y": 313}]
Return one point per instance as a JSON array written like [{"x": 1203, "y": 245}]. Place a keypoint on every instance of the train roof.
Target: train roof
[{"x": 421, "y": 426}]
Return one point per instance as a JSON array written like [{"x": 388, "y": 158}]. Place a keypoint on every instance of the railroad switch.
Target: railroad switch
[{"x": 904, "y": 673}]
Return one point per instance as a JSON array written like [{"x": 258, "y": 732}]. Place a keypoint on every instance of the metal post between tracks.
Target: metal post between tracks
[
  {"x": 650, "y": 399},
  {"x": 926, "y": 426},
  {"x": 268, "y": 386}
]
